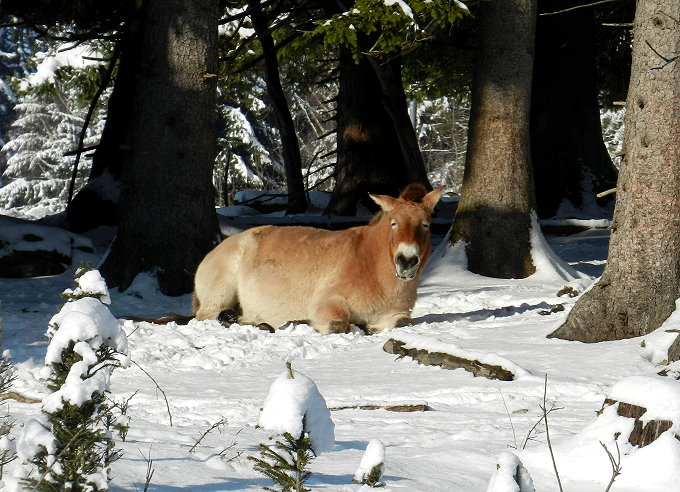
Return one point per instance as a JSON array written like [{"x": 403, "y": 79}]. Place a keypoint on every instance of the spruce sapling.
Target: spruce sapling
[
  {"x": 372, "y": 465},
  {"x": 70, "y": 447},
  {"x": 294, "y": 409}
]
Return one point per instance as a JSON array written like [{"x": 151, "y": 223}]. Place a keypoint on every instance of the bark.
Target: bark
[
  {"x": 97, "y": 202},
  {"x": 639, "y": 285},
  {"x": 377, "y": 146},
  {"x": 494, "y": 216},
  {"x": 167, "y": 217},
  {"x": 297, "y": 199},
  {"x": 369, "y": 156},
  {"x": 570, "y": 160}
]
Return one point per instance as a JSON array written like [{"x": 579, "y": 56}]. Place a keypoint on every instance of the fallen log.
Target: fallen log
[{"x": 448, "y": 361}]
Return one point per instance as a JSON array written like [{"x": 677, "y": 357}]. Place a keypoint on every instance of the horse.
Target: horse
[{"x": 365, "y": 276}]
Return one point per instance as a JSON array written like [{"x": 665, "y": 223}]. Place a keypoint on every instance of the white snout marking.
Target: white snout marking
[{"x": 408, "y": 250}]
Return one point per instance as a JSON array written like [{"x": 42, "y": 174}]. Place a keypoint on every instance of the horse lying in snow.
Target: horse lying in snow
[{"x": 364, "y": 275}]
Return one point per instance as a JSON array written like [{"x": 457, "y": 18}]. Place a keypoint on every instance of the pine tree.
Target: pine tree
[
  {"x": 71, "y": 446},
  {"x": 50, "y": 116}
]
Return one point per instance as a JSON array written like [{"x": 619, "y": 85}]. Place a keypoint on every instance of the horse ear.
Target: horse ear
[
  {"x": 431, "y": 199},
  {"x": 385, "y": 202}
]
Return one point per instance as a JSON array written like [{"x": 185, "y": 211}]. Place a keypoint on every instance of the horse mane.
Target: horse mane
[{"x": 414, "y": 192}]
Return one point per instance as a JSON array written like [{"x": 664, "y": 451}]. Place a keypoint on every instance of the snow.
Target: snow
[
  {"x": 373, "y": 456},
  {"x": 91, "y": 282},
  {"x": 402, "y": 5},
  {"x": 510, "y": 475},
  {"x": 77, "y": 56},
  {"x": 294, "y": 405},
  {"x": 211, "y": 373}
]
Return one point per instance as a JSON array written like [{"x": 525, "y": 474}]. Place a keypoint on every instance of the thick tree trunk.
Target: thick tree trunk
[
  {"x": 97, "y": 202},
  {"x": 570, "y": 160},
  {"x": 394, "y": 101},
  {"x": 369, "y": 156},
  {"x": 639, "y": 286},
  {"x": 297, "y": 199},
  {"x": 167, "y": 216},
  {"x": 494, "y": 216}
]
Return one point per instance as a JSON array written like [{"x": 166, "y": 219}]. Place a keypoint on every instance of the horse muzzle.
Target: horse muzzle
[{"x": 406, "y": 267}]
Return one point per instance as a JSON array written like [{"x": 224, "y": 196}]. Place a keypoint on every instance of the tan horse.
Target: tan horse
[{"x": 364, "y": 275}]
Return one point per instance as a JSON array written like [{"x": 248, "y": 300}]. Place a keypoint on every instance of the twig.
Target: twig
[
  {"x": 159, "y": 389},
  {"x": 216, "y": 425},
  {"x": 149, "y": 470},
  {"x": 615, "y": 462},
  {"x": 667, "y": 59},
  {"x": 507, "y": 411},
  {"x": 547, "y": 432},
  {"x": 578, "y": 7}
]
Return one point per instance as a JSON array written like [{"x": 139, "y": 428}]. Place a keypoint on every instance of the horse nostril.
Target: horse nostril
[{"x": 407, "y": 263}]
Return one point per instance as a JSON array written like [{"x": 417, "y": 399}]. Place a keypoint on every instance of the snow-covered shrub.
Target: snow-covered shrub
[
  {"x": 70, "y": 446},
  {"x": 372, "y": 465},
  {"x": 294, "y": 409}
]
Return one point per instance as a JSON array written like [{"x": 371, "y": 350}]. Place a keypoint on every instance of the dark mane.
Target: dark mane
[{"x": 415, "y": 192}]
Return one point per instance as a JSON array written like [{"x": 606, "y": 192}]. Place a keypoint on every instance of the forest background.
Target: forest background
[{"x": 178, "y": 104}]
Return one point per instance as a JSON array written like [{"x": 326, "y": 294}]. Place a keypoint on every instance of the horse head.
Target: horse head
[{"x": 408, "y": 218}]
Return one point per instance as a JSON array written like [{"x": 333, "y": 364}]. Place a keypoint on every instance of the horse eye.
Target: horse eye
[
  {"x": 426, "y": 226},
  {"x": 393, "y": 224}
]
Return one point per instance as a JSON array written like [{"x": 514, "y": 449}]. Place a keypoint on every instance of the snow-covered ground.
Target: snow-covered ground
[{"x": 210, "y": 373}]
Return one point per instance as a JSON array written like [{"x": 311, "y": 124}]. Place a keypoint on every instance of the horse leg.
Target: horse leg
[
  {"x": 330, "y": 315},
  {"x": 215, "y": 284},
  {"x": 214, "y": 302},
  {"x": 394, "y": 320}
]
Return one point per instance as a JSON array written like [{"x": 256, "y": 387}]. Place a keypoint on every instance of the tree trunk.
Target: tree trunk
[
  {"x": 570, "y": 160},
  {"x": 369, "y": 156},
  {"x": 97, "y": 202},
  {"x": 639, "y": 286},
  {"x": 494, "y": 216},
  {"x": 297, "y": 199},
  {"x": 167, "y": 215}
]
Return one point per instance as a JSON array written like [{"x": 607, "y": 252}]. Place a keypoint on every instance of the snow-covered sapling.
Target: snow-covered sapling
[
  {"x": 510, "y": 475},
  {"x": 70, "y": 446},
  {"x": 295, "y": 410},
  {"x": 372, "y": 465}
]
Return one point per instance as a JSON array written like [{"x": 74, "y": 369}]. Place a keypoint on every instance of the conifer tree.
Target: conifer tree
[
  {"x": 71, "y": 447},
  {"x": 51, "y": 109}
]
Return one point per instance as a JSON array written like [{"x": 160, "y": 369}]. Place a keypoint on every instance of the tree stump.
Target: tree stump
[
  {"x": 642, "y": 435},
  {"x": 448, "y": 361}
]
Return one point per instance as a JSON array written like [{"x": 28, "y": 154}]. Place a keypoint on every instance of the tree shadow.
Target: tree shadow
[{"x": 482, "y": 314}]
